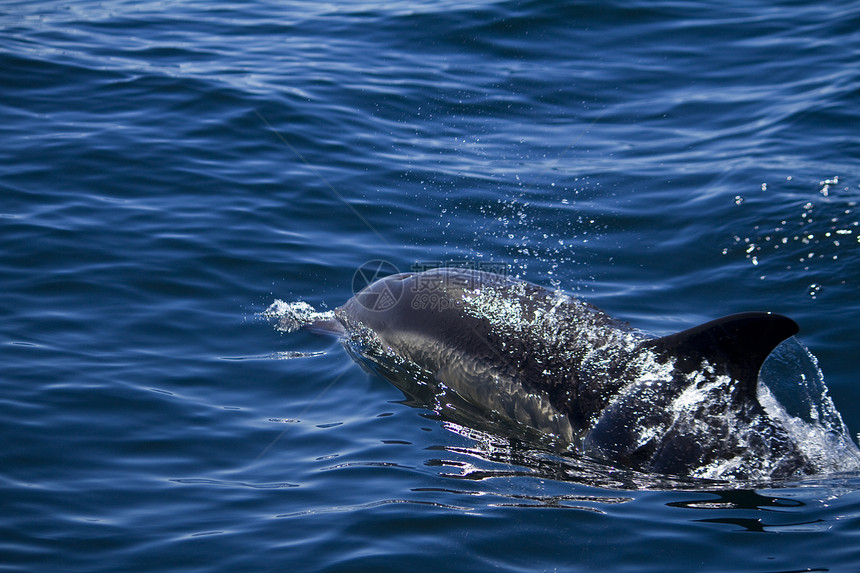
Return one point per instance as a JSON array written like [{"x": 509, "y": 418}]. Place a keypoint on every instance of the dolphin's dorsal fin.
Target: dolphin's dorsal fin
[{"x": 736, "y": 345}]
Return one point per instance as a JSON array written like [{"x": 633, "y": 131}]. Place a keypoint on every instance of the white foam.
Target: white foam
[{"x": 292, "y": 316}]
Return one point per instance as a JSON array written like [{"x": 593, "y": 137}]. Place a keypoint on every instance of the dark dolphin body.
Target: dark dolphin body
[{"x": 684, "y": 404}]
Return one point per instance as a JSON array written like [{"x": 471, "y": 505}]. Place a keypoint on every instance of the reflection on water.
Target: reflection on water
[
  {"x": 739, "y": 499},
  {"x": 753, "y": 511}
]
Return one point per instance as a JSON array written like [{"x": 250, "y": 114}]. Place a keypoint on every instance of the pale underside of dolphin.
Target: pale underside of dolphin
[{"x": 684, "y": 404}]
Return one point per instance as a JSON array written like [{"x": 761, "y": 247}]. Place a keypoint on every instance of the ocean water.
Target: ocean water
[{"x": 169, "y": 169}]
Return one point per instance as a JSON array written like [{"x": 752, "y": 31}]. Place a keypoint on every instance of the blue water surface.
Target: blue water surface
[{"x": 168, "y": 169}]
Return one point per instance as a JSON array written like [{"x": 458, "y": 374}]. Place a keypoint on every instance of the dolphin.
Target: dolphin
[{"x": 684, "y": 405}]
